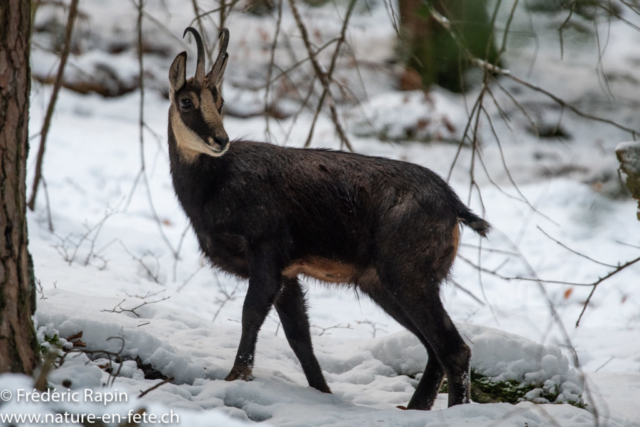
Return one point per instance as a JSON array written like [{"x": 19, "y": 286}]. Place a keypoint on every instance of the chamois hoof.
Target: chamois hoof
[
  {"x": 242, "y": 373},
  {"x": 324, "y": 389}
]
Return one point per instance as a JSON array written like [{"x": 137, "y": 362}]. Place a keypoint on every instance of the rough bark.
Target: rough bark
[
  {"x": 628, "y": 154},
  {"x": 430, "y": 50},
  {"x": 18, "y": 343}
]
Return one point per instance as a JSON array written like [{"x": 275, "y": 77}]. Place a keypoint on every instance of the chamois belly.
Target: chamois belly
[
  {"x": 228, "y": 252},
  {"x": 322, "y": 269}
]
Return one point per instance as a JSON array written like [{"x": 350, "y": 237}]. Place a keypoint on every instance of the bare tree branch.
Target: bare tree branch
[
  {"x": 322, "y": 76},
  {"x": 274, "y": 45},
  {"x": 73, "y": 12},
  {"x": 150, "y": 389},
  {"x": 226, "y": 297},
  {"x": 574, "y": 251},
  {"x": 119, "y": 309},
  {"x": 602, "y": 279},
  {"x": 506, "y": 73},
  {"x": 329, "y": 74}
]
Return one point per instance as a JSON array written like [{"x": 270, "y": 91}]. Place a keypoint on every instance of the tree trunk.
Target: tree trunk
[
  {"x": 430, "y": 50},
  {"x": 18, "y": 343},
  {"x": 629, "y": 157}
]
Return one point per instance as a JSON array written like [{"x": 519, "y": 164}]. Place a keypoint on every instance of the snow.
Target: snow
[
  {"x": 175, "y": 345},
  {"x": 107, "y": 255},
  {"x": 410, "y": 116}
]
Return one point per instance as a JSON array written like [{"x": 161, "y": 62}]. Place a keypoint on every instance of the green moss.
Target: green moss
[
  {"x": 54, "y": 341},
  {"x": 486, "y": 390},
  {"x": 629, "y": 158},
  {"x": 509, "y": 391}
]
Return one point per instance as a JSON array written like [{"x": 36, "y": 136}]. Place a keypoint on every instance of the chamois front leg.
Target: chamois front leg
[{"x": 264, "y": 284}]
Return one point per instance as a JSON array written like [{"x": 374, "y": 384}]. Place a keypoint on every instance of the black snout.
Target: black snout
[
  {"x": 222, "y": 141},
  {"x": 218, "y": 144}
]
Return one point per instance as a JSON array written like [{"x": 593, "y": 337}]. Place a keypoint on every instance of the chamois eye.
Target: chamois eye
[{"x": 186, "y": 104}]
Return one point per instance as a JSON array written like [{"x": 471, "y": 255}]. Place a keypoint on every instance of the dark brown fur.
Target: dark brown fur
[{"x": 270, "y": 213}]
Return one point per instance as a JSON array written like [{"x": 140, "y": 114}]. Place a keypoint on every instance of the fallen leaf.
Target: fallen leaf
[
  {"x": 75, "y": 336},
  {"x": 568, "y": 293}
]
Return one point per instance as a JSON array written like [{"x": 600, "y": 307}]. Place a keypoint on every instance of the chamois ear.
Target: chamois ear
[{"x": 178, "y": 72}]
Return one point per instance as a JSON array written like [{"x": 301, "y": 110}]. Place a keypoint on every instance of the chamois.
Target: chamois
[{"x": 270, "y": 213}]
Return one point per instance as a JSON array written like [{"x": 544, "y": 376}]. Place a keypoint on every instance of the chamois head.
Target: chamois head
[{"x": 196, "y": 104}]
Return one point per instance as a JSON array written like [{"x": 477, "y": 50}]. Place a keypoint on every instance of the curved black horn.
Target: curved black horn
[
  {"x": 200, "y": 67},
  {"x": 224, "y": 43}
]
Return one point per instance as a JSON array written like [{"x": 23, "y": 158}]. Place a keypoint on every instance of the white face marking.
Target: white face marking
[{"x": 189, "y": 143}]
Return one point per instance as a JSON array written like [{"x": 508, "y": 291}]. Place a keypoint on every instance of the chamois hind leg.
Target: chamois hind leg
[
  {"x": 292, "y": 311},
  {"x": 431, "y": 381},
  {"x": 423, "y": 306},
  {"x": 415, "y": 250}
]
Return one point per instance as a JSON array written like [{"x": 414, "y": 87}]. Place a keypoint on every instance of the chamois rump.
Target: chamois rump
[{"x": 270, "y": 213}]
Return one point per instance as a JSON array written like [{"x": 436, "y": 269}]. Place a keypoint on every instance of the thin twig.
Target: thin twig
[
  {"x": 73, "y": 12},
  {"x": 522, "y": 198},
  {"x": 119, "y": 309},
  {"x": 520, "y": 107},
  {"x": 274, "y": 45},
  {"x": 322, "y": 76},
  {"x": 228, "y": 296},
  {"x": 499, "y": 251},
  {"x": 297, "y": 64},
  {"x": 304, "y": 104},
  {"x": 164, "y": 28},
  {"x": 212, "y": 11},
  {"x": 602, "y": 279},
  {"x": 150, "y": 389},
  {"x": 468, "y": 292},
  {"x": 147, "y": 295},
  {"x": 151, "y": 274},
  {"x": 198, "y": 18},
  {"x": 593, "y": 285},
  {"x": 110, "y": 355},
  {"x": 574, "y": 251},
  {"x": 561, "y": 29},
  {"x": 525, "y": 279},
  {"x": 374, "y": 326},
  {"x": 48, "y": 203},
  {"x": 323, "y": 330},
  {"x": 476, "y": 104},
  {"x": 188, "y": 279},
  {"x": 329, "y": 74},
  {"x": 95, "y": 230},
  {"x": 142, "y": 174},
  {"x": 628, "y": 244},
  {"x": 506, "y": 73},
  {"x": 178, "y": 249}
]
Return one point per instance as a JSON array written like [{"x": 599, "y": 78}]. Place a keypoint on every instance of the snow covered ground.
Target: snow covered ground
[{"x": 107, "y": 253}]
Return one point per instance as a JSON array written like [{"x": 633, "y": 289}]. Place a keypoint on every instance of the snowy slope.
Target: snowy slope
[
  {"x": 368, "y": 378},
  {"x": 368, "y": 375}
]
